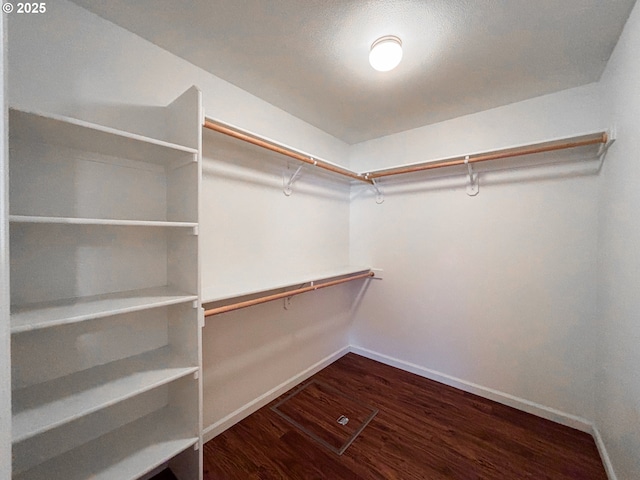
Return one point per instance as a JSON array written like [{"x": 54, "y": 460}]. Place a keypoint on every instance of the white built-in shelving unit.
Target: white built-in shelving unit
[{"x": 105, "y": 295}]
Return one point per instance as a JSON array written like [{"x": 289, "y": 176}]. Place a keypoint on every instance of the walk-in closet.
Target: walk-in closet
[{"x": 235, "y": 245}]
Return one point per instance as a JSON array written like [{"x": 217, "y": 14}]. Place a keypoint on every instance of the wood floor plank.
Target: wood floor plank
[{"x": 423, "y": 430}]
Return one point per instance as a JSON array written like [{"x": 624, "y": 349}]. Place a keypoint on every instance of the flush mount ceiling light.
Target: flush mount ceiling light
[{"x": 386, "y": 53}]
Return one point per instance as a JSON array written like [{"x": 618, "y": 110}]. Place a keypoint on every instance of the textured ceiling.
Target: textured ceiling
[{"x": 310, "y": 57}]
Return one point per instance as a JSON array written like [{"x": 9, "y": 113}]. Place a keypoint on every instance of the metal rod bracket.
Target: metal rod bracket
[
  {"x": 288, "y": 186},
  {"x": 379, "y": 194},
  {"x": 287, "y": 302},
  {"x": 610, "y": 137},
  {"x": 473, "y": 188}
]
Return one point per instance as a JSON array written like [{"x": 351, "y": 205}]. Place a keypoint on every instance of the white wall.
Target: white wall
[
  {"x": 70, "y": 61},
  {"x": 565, "y": 113},
  {"x": 250, "y": 354},
  {"x": 5, "y": 365},
  {"x": 496, "y": 290},
  {"x": 618, "y": 386},
  {"x": 254, "y": 236}
]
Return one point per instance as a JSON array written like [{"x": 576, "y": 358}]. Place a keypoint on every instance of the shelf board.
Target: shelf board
[
  {"x": 589, "y": 145},
  {"x": 62, "y": 312},
  {"x": 42, "y": 407},
  {"x": 87, "y": 136},
  {"x": 98, "y": 221},
  {"x": 280, "y": 148},
  {"x": 211, "y": 295},
  {"x": 124, "y": 454}
]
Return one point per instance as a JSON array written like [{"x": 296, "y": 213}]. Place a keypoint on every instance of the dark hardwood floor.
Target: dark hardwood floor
[{"x": 423, "y": 430}]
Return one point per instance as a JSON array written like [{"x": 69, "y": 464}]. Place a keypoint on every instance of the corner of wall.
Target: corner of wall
[{"x": 617, "y": 397}]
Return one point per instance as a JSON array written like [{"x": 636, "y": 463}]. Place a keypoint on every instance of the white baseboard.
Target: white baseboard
[
  {"x": 604, "y": 455},
  {"x": 234, "y": 417},
  {"x": 534, "y": 408}
]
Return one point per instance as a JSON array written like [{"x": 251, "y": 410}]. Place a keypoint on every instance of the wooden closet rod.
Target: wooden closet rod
[
  {"x": 582, "y": 141},
  {"x": 211, "y": 125},
  {"x": 290, "y": 293}
]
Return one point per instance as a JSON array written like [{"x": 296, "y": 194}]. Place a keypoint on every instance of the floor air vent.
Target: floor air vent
[{"x": 325, "y": 414}]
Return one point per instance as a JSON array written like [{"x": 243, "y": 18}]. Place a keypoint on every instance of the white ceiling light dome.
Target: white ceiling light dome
[{"x": 386, "y": 53}]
